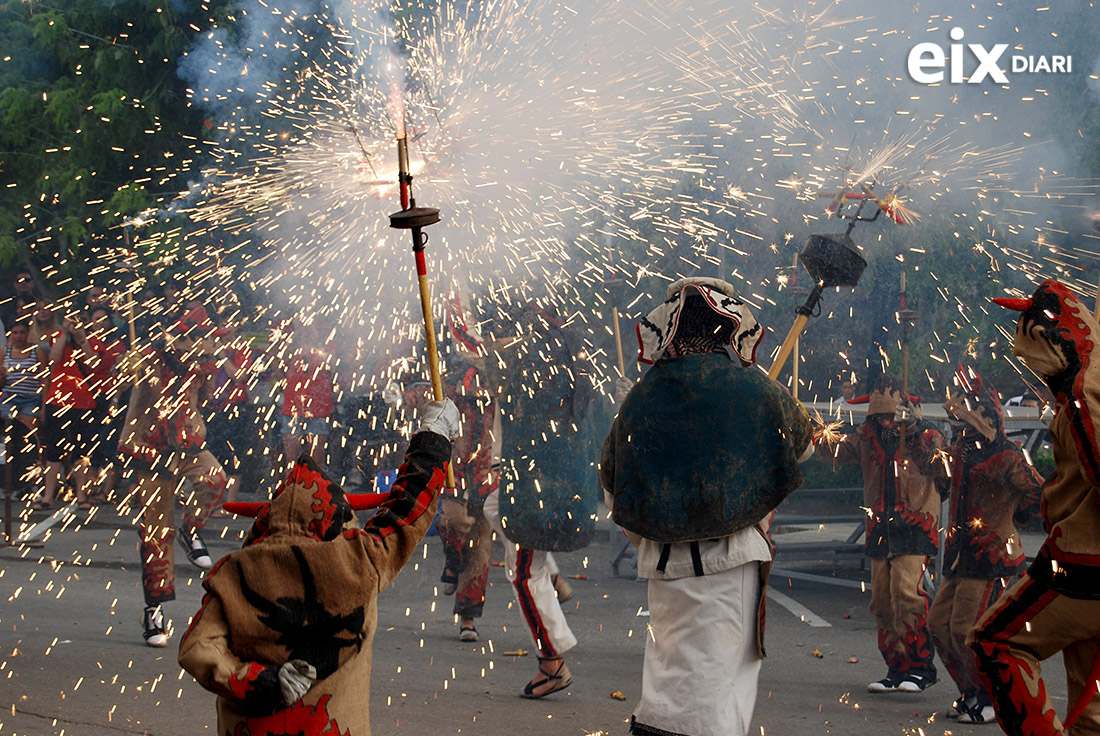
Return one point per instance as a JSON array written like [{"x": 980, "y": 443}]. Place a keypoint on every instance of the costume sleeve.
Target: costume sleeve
[
  {"x": 926, "y": 449},
  {"x": 402, "y": 521},
  {"x": 846, "y": 451},
  {"x": 204, "y": 653},
  {"x": 1022, "y": 477},
  {"x": 607, "y": 460}
]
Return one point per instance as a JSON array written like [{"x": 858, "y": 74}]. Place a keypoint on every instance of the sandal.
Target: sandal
[
  {"x": 563, "y": 589},
  {"x": 42, "y": 505},
  {"x": 450, "y": 582},
  {"x": 563, "y": 681},
  {"x": 85, "y": 505}
]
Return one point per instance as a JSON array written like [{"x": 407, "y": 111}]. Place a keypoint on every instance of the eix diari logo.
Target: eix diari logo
[{"x": 927, "y": 61}]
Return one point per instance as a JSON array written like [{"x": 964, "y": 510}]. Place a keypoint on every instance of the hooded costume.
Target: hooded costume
[
  {"x": 993, "y": 487},
  {"x": 1055, "y": 606},
  {"x": 304, "y": 588},
  {"x": 164, "y": 437},
  {"x": 545, "y": 500},
  {"x": 703, "y": 448},
  {"x": 903, "y": 510},
  {"x": 547, "y": 474}
]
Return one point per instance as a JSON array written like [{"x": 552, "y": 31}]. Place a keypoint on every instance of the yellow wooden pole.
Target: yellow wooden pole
[
  {"x": 618, "y": 340},
  {"x": 788, "y": 345}
]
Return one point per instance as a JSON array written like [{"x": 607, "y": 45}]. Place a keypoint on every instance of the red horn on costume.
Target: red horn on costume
[
  {"x": 364, "y": 501},
  {"x": 915, "y": 399},
  {"x": 1016, "y": 305},
  {"x": 865, "y": 399},
  {"x": 251, "y": 509}
]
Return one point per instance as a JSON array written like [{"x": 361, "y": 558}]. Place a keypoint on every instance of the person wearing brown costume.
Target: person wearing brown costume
[
  {"x": 993, "y": 487},
  {"x": 903, "y": 511},
  {"x": 285, "y": 632},
  {"x": 1055, "y": 605},
  {"x": 164, "y": 440}
]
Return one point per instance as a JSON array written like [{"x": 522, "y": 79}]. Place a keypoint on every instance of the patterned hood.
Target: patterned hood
[
  {"x": 739, "y": 330},
  {"x": 306, "y": 504},
  {"x": 978, "y": 406},
  {"x": 1055, "y": 336}
]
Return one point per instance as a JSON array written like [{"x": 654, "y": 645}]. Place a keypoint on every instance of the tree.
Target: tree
[{"x": 95, "y": 125}]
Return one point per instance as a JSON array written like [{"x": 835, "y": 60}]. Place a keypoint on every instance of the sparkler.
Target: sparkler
[{"x": 415, "y": 218}]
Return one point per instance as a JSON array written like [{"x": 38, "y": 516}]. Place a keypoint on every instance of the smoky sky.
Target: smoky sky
[{"x": 554, "y": 134}]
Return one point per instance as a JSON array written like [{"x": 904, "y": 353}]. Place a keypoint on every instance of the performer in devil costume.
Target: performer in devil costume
[
  {"x": 1055, "y": 606},
  {"x": 903, "y": 511},
  {"x": 284, "y": 634},
  {"x": 164, "y": 440},
  {"x": 992, "y": 487},
  {"x": 703, "y": 448}
]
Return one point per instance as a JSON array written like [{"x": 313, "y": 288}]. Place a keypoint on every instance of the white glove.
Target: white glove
[
  {"x": 622, "y": 388},
  {"x": 440, "y": 417},
  {"x": 391, "y": 395},
  {"x": 295, "y": 679},
  {"x": 903, "y": 412}
]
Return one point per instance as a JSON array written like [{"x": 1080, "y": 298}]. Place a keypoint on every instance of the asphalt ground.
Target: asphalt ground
[{"x": 72, "y": 659}]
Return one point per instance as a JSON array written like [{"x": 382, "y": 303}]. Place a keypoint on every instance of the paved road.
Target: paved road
[{"x": 72, "y": 660}]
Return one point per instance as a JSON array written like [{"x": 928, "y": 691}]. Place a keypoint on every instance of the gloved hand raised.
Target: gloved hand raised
[
  {"x": 440, "y": 417},
  {"x": 904, "y": 414},
  {"x": 295, "y": 679}
]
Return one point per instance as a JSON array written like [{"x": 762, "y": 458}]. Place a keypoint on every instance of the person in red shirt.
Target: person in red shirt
[
  {"x": 68, "y": 427},
  {"x": 308, "y": 394},
  {"x": 230, "y": 425},
  {"x": 108, "y": 344}
]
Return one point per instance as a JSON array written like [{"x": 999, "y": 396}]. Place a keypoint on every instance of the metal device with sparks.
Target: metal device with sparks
[
  {"x": 833, "y": 260},
  {"x": 415, "y": 219}
]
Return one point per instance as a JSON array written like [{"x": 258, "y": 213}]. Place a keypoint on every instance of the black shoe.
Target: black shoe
[
  {"x": 978, "y": 713},
  {"x": 913, "y": 683},
  {"x": 887, "y": 684},
  {"x": 961, "y": 704},
  {"x": 156, "y": 633},
  {"x": 196, "y": 550}
]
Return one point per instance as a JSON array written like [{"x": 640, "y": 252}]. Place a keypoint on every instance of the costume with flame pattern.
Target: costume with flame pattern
[
  {"x": 903, "y": 509},
  {"x": 993, "y": 487},
  {"x": 1055, "y": 606},
  {"x": 303, "y": 590}
]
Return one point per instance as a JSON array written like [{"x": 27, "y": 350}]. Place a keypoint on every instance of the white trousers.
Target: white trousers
[
  {"x": 701, "y": 663},
  {"x": 529, "y": 571}
]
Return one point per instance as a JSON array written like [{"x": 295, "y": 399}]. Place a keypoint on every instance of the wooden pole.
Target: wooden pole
[
  {"x": 429, "y": 332},
  {"x": 788, "y": 345},
  {"x": 794, "y": 369},
  {"x": 618, "y": 340}
]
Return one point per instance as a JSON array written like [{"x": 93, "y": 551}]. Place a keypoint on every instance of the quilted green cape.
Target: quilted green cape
[{"x": 702, "y": 448}]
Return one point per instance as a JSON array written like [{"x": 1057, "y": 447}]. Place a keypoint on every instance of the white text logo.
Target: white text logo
[{"x": 927, "y": 61}]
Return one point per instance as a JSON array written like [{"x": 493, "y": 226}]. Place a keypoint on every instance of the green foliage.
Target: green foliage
[{"x": 94, "y": 123}]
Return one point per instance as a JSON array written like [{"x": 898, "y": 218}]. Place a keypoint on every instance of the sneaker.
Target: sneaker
[
  {"x": 156, "y": 635},
  {"x": 467, "y": 633},
  {"x": 887, "y": 684},
  {"x": 196, "y": 550},
  {"x": 978, "y": 714},
  {"x": 913, "y": 683},
  {"x": 961, "y": 705}
]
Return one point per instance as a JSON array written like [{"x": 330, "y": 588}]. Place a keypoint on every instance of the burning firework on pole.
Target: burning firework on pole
[{"x": 415, "y": 219}]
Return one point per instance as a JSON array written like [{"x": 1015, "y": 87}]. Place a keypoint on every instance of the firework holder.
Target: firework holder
[{"x": 832, "y": 260}]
